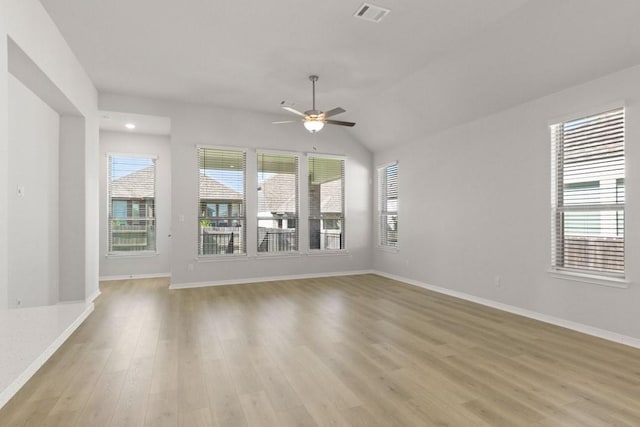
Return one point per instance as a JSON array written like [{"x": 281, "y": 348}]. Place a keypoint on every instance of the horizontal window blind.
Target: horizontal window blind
[
  {"x": 277, "y": 202},
  {"x": 221, "y": 202},
  {"x": 588, "y": 196},
  {"x": 132, "y": 190},
  {"x": 388, "y": 205},
  {"x": 326, "y": 203}
]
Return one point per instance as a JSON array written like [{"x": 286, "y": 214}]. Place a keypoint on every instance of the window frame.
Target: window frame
[
  {"x": 342, "y": 218},
  {"x": 381, "y": 196},
  {"x": 559, "y": 208},
  {"x": 298, "y": 156},
  {"x": 243, "y": 209},
  {"x": 110, "y": 217}
]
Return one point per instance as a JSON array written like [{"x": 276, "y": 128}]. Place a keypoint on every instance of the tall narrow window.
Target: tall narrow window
[
  {"x": 388, "y": 205},
  {"x": 221, "y": 202},
  {"x": 132, "y": 192},
  {"x": 277, "y": 203},
  {"x": 326, "y": 203},
  {"x": 588, "y": 194}
]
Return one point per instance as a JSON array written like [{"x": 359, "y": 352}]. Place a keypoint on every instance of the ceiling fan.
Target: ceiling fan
[{"x": 314, "y": 120}]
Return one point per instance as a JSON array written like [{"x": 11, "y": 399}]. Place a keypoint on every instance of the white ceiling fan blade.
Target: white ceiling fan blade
[
  {"x": 281, "y": 122},
  {"x": 293, "y": 110}
]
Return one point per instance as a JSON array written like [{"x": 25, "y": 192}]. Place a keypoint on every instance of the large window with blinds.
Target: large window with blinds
[
  {"x": 221, "y": 202},
  {"x": 326, "y": 203},
  {"x": 277, "y": 203},
  {"x": 588, "y": 201},
  {"x": 388, "y": 205},
  {"x": 132, "y": 213}
]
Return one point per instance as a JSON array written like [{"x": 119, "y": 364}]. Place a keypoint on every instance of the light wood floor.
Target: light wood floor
[{"x": 356, "y": 350}]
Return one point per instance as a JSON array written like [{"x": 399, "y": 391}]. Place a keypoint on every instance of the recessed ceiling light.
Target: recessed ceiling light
[{"x": 130, "y": 126}]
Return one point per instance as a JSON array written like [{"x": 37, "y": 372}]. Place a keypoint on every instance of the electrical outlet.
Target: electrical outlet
[
  {"x": 498, "y": 281},
  {"x": 20, "y": 191}
]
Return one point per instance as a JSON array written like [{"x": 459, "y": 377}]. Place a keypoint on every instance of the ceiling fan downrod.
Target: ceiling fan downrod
[{"x": 314, "y": 79}]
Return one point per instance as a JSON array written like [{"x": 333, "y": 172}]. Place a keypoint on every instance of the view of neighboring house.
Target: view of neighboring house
[
  {"x": 132, "y": 209},
  {"x": 222, "y": 218}
]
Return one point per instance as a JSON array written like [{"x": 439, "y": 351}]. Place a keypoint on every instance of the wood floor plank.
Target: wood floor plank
[{"x": 340, "y": 351}]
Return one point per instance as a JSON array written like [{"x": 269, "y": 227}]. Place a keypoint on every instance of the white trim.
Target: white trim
[
  {"x": 93, "y": 296},
  {"x": 568, "y": 324},
  {"x": 136, "y": 155},
  {"x": 222, "y": 148},
  {"x": 17, "y": 384},
  {"x": 278, "y": 152},
  {"x": 609, "y": 281},
  {"x": 222, "y": 258},
  {"x": 132, "y": 254},
  {"x": 134, "y": 276},
  {"x": 328, "y": 252},
  {"x": 326, "y": 156},
  {"x": 189, "y": 285},
  {"x": 278, "y": 255}
]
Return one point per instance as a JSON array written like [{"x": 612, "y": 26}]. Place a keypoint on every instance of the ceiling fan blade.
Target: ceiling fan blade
[
  {"x": 293, "y": 110},
  {"x": 340, "y": 123},
  {"x": 281, "y": 122},
  {"x": 334, "y": 112}
]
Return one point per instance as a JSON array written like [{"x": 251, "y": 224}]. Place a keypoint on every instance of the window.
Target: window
[
  {"x": 326, "y": 203},
  {"x": 388, "y": 205},
  {"x": 132, "y": 190},
  {"x": 221, "y": 202},
  {"x": 588, "y": 194},
  {"x": 277, "y": 203}
]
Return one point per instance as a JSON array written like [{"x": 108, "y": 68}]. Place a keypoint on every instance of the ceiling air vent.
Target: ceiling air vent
[{"x": 371, "y": 12}]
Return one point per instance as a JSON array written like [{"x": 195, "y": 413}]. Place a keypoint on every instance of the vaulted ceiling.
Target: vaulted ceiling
[{"x": 427, "y": 66}]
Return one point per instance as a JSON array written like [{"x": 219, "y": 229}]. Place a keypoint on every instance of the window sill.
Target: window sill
[
  {"x": 389, "y": 249},
  {"x": 320, "y": 252},
  {"x": 132, "y": 255},
  {"x": 277, "y": 255},
  {"x": 221, "y": 258},
  {"x": 612, "y": 282}
]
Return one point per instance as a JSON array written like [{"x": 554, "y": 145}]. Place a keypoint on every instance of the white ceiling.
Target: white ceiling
[
  {"x": 147, "y": 124},
  {"x": 430, "y": 64}
]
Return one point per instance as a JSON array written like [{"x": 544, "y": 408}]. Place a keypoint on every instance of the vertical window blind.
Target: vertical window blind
[
  {"x": 326, "y": 203},
  {"x": 588, "y": 200},
  {"x": 221, "y": 202},
  {"x": 132, "y": 217},
  {"x": 277, "y": 202},
  {"x": 388, "y": 205}
]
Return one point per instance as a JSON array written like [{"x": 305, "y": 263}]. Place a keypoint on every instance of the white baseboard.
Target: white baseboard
[
  {"x": 578, "y": 327},
  {"x": 17, "y": 384},
  {"x": 265, "y": 279},
  {"x": 93, "y": 296},
  {"x": 134, "y": 276}
]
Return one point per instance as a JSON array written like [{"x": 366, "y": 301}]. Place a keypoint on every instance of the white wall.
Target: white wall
[
  {"x": 4, "y": 161},
  {"x": 192, "y": 125},
  {"x": 33, "y": 216},
  {"x": 26, "y": 27},
  {"x": 475, "y": 212},
  {"x": 136, "y": 265}
]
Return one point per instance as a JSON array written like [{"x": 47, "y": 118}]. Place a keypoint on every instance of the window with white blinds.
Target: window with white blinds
[
  {"x": 277, "y": 203},
  {"x": 588, "y": 201},
  {"x": 388, "y": 205},
  {"x": 132, "y": 192},
  {"x": 221, "y": 202},
  {"x": 326, "y": 203}
]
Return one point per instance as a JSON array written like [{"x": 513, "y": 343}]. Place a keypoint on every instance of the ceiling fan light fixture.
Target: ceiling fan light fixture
[{"x": 313, "y": 126}]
